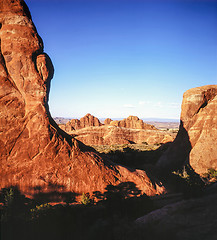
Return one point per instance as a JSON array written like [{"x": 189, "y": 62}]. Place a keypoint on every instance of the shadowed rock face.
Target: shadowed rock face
[
  {"x": 34, "y": 152},
  {"x": 197, "y": 136}
]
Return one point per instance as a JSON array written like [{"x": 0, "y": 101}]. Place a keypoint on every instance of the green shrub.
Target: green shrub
[
  {"x": 85, "y": 199},
  {"x": 211, "y": 173},
  {"x": 193, "y": 183},
  {"x": 40, "y": 210},
  {"x": 9, "y": 197}
]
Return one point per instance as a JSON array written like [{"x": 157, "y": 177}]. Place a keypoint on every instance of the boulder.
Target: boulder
[{"x": 187, "y": 219}]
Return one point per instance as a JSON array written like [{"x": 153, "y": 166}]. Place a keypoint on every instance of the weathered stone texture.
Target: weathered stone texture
[
  {"x": 109, "y": 135},
  {"x": 133, "y": 122},
  {"x": 197, "y": 137},
  {"x": 35, "y": 154}
]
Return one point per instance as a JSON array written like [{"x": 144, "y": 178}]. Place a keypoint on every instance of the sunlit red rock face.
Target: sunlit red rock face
[
  {"x": 107, "y": 121},
  {"x": 197, "y": 137},
  {"x": 87, "y": 121},
  {"x": 34, "y": 153}
]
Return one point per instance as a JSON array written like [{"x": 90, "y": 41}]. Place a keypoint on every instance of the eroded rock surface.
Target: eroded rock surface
[
  {"x": 87, "y": 121},
  {"x": 107, "y": 121},
  {"x": 197, "y": 137},
  {"x": 133, "y": 122},
  {"x": 187, "y": 219},
  {"x": 110, "y": 135},
  {"x": 90, "y": 131},
  {"x": 35, "y": 154}
]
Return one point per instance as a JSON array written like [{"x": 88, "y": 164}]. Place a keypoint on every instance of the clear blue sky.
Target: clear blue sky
[{"x": 115, "y": 58}]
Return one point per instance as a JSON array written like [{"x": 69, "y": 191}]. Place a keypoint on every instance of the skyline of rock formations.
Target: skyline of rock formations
[
  {"x": 132, "y": 122},
  {"x": 90, "y": 131}
]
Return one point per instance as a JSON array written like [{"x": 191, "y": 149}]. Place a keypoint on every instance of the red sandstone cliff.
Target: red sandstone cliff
[
  {"x": 197, "y": 137},
  {"x": 34, "y": 153}
]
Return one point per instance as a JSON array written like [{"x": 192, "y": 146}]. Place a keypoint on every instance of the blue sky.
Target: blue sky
[{"x": 115, "y": 58}]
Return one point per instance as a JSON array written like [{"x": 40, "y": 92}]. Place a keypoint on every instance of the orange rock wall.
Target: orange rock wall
[
  {"x": 197, "y": 137},
  {"x": 35, "y": 154}
]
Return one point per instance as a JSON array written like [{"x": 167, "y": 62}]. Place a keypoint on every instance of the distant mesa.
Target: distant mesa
[{"x": 36, "y": 155}]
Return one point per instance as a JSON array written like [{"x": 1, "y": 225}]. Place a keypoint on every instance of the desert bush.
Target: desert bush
[
  {"x": 40, "y": 210},
  {"x": 211, "y": 174},
  {"x": 9, "y": 197},
  {"x": 193, "y": 184},
  {"x": 14, "y": 203},
  {"x": 86, "y": 200}
]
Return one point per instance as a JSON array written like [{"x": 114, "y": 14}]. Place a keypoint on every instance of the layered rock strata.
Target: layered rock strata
[
  {"x": 35, "y": 154},
  {"x": 132, "y": 122},
  {"x": 110, "y": 135},
  {"x": 197, "y": 137},
  {"x": 87, "y": 121}
]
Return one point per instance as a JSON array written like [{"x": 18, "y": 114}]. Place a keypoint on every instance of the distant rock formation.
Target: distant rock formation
[
  {"x": 110, "y": 135},
  {"x": 107, "y": 121},
  {"x": 133, "y": 122},
  {"x": 36, "y": 155},
  {"x": 87, "y": 121},
  {"x": 197, "y": 137},
  {"x": 90, "y": 131}
]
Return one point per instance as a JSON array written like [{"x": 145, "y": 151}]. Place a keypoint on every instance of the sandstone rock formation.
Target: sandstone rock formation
[
  {"x": 133, "y": 122},
  {"x": 197, "y": 137},
  {"x": 87, "y": 121},
  {"x": 90, "y": 131},
  {"x": 35, "y": 154},
  {"x": 110, "y": 135},
  {"x": 107, "y": 121}
]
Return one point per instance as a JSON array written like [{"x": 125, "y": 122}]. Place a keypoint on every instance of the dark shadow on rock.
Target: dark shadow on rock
[
  {"x": 55, "y": 196},
  {"x": 138, "y": 159},
  {"x": 108, "y": 218},
  {"x": 177, "y": 155},
  {"x": 174, "y": 169},
  {"x": 52, "y": 192},
  {"x": 124, "y": 200},
  {"x": 135, "y": 158}
]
